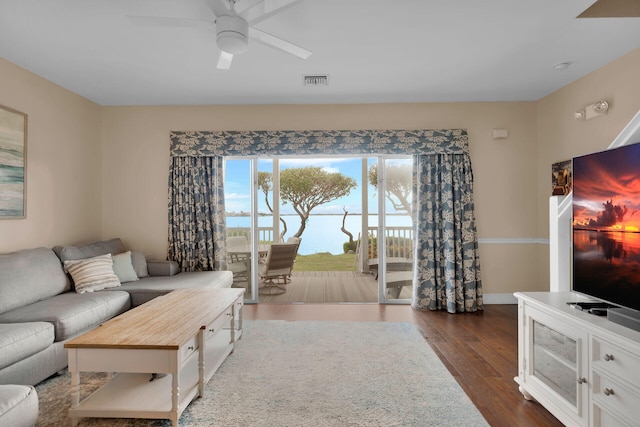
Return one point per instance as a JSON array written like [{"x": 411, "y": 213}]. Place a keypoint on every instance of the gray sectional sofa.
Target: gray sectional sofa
[{"x": 40, "y": 309}]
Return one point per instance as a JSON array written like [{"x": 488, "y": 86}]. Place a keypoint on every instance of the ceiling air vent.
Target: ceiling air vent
[{"x": 315, "y": 80}]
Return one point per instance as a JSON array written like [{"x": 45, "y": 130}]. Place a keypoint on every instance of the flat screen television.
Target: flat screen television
[{"x": 606, "y": 226}]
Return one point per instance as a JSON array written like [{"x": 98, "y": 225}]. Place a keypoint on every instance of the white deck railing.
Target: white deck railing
[
  {"x": 399, "y": 242},
  {"x": 265, "y": 234}
]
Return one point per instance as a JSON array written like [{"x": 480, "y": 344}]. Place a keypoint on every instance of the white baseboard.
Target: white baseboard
[{"x": 499, "y": 299}]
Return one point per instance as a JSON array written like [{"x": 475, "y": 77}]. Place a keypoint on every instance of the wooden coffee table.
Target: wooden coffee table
[{"x": 185, "y": 334}]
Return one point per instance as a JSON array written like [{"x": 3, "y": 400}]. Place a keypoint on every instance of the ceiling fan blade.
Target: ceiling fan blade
[
  {"x": 265, "y": 9},
  {"x": 279, "y": 43},
  {"x": 161, "y": 21},
  {"x": 612, "y": 9},
  {"x": 224, "y": 60},
  {"x": 219, "y": 7}
]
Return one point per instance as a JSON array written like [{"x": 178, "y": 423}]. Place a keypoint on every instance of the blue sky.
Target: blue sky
[{"x": 237, "y": 184}]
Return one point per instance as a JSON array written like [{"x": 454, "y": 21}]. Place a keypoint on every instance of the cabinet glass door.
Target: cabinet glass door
[{"x": 555, "y": 361}]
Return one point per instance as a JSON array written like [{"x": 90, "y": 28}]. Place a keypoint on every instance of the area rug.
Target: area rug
[{"x": 310, "y": 373}]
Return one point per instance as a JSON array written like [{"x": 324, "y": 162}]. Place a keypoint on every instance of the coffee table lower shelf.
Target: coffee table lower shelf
[{"x": 133, "y": 396}]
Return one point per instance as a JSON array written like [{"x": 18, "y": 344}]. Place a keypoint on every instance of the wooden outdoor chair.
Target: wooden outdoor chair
[
  {"x": 238, "y": 257},
  {"x": 275, "y": 272},
  {"x": 294, "y": 239}
]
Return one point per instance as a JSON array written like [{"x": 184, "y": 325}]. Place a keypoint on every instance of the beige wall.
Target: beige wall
[
  {"x": 64, "y": 201},
  {"x": 102, "y": 171},
  {"x": 136, "y": 161},
  {"x": 561, "y": 137}
]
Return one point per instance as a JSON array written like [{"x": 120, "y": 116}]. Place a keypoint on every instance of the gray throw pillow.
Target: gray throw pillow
[{"x": 139, "y": 262}]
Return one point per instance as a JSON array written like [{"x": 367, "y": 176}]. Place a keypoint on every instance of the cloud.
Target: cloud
[
  {"x": 611, "y": 215},
  {"x": 399, "y": 162},
  {"x": 329, "y": 169},
  {"x": 312, "y": 161}
]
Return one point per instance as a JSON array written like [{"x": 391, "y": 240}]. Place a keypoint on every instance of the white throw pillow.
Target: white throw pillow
[
  {"x": 92, "y": 274},
  {"x": 123, "y": 267}
]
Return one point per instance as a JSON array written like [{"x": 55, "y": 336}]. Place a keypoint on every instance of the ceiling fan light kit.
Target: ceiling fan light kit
[{"x": 231, "y": 34}]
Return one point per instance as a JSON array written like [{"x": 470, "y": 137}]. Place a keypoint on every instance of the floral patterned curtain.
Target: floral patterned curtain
[
  {"x": 196, "y": 213},
  {"x": 448, "y": 274},
  {"x": 447, "y": 258}
]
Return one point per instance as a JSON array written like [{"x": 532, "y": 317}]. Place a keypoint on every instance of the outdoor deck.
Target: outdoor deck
[{"x": 328, "y": 287}]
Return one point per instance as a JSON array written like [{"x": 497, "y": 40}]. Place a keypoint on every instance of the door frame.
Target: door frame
[{"x": 381, "y": 242}]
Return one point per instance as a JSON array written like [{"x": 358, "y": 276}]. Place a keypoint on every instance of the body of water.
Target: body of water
[
  {"x": 322, "y": 233},
  {"x": 11, "y": 190}
]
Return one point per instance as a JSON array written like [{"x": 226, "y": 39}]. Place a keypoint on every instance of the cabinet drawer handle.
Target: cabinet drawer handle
[
  {"x": 229, "y": 314},
  {"x": 582, "y": 380},
  {"x": 608, "y": 357},
  {"x": 212, "y": 330},
  {"x": 190, "y": 347},
  {"x": 608, "y": 392}
]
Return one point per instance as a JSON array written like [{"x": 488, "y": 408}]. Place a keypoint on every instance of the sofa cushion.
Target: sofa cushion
[
  {"x": 153, "y": 286},
  {"x": 29, "y": 276},
  {"x": 123, "y": 267},
  {"x": 113, "y": 246},
  {"x": 92, "y": 274},
  {"x": 163, "y": 268},
  {"x": 18, "y": 405},
  {"x": 20, "y": 340},
  {"x": 72, "y": 313}
]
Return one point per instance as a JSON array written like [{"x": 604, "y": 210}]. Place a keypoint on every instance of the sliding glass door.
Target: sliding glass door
[
  {"x": 339, "y": 207},
  {"x": 240, "y": 209},
  {"x": 396, "y": 265}
]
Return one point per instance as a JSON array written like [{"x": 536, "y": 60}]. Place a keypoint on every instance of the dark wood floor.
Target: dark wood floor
[{"x": 480, "y": 350}]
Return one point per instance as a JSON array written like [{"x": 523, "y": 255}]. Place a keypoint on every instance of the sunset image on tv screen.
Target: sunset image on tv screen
[{"x": 608, "y": 198}]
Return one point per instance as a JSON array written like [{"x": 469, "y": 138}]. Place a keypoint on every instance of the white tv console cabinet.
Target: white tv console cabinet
[{"x": 583, "y": 368}]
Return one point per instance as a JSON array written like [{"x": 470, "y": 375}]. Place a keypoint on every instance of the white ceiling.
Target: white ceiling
[{"x": 373, "y": 50}]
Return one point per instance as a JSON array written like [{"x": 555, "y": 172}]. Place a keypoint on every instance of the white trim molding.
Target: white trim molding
[
  {"x": 630, "y": 134},
  {"x": 513, "y": 241}
]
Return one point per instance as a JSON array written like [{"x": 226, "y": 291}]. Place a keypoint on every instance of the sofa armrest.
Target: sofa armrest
[{"x": 163, "y": 268}]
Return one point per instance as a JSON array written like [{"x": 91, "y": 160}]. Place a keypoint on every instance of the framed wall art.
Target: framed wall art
[
  {"x": 13, "y": 164},
  {"x": 561, "y": 178}
]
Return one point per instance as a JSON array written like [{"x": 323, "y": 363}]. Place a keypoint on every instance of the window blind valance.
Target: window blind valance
[{"x": 318, "y": 142}]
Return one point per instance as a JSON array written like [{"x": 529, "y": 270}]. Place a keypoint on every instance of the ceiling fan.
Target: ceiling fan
[{"x": 234, "y": 29}]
